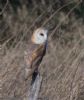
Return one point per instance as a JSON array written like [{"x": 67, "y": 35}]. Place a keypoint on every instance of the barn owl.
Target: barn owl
[{"x": 35, "y": 51}]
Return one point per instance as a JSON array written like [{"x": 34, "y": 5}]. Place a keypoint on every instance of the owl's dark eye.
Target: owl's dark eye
[{"x": 41, "y": 34}]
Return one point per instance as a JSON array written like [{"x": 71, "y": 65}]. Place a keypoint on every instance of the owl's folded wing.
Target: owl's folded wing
[{"x": 34, "y": 57}]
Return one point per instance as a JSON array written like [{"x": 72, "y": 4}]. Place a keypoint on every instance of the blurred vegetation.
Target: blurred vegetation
[
  {"x": 63, "y": 67},
  {"x": 19, "y": 15}
]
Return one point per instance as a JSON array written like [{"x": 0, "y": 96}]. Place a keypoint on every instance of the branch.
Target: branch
[
  {"x": 59, "y": 24},
  {"x": 56, "y": 13},
  {"x": 4, "y": 8}
]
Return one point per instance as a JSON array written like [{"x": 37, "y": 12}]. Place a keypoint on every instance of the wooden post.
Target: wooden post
[{"x": 34, "y": 92}]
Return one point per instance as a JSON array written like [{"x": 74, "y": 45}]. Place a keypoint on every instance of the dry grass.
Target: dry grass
[{"x": 63, "y": 66}]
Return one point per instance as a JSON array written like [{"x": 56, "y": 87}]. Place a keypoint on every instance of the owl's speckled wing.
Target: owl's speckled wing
[{"x": 33, "y": 57}]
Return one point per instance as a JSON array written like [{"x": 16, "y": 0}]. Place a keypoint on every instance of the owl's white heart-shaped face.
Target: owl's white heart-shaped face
[{"x": 39, "y": 36}]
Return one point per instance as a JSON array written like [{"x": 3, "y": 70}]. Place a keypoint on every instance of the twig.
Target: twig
[
  {"x": 56, "y": 13},
  {"x": 4, "y": 8},
  {"x": 63, "y": 20}
]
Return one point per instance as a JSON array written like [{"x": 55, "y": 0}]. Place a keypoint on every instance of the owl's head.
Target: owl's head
[{"x": 39, "y": 36}]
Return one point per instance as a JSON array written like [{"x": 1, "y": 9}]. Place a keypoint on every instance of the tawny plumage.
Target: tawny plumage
[{"x": 35, "y": 51}]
